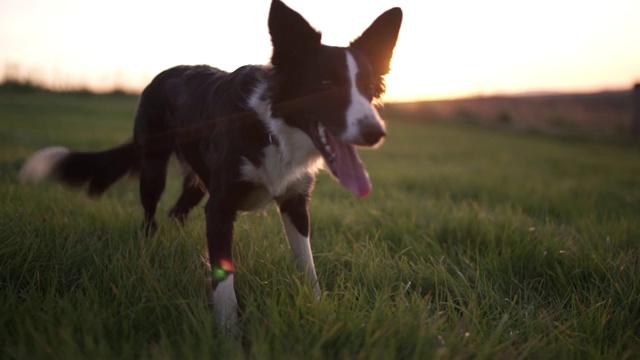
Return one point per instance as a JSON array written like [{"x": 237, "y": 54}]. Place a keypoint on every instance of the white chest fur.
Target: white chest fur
[
  {"x": 281, "y": 168},
  {"x": 283, "y": 165}
]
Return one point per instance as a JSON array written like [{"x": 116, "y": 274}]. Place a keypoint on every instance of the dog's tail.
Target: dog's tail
[{"x": 99, "y": 169}]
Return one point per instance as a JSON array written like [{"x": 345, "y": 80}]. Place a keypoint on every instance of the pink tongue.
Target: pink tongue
[{"x": 349, "y": 168}]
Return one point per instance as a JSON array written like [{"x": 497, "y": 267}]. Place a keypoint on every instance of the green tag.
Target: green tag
[{"x": 221, "y": 273}]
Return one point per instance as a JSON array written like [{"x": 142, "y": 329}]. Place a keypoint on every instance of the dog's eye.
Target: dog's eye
[
  {"x": 368, "y": 88},
  {"x": 327, "y": 84}
]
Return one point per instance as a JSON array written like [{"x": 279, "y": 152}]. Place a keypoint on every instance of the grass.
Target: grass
[{"x": 474, "y": 244}]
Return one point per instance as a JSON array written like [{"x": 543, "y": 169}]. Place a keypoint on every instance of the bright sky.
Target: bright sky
[{"x": 446, "y": 48}]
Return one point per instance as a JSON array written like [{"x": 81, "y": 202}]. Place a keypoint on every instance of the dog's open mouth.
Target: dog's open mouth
[{"x": 343, "y": 161}]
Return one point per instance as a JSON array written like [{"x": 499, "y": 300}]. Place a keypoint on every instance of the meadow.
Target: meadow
[{"x": 475, "y": 243}]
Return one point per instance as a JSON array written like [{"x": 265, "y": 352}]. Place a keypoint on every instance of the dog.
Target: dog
[{"x": 248, "y": 138}]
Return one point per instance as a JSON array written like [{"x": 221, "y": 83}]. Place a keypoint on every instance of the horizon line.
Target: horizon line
[{"x": 14, "y": 74}]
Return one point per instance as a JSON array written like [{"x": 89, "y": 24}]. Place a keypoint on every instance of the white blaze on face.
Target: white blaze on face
[{"x": 360, "y": 113}]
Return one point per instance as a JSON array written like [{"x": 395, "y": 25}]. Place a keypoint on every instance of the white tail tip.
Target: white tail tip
[{"x": 41, "y": 165}]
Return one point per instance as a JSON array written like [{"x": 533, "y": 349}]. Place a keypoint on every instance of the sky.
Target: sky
[{"x": 446, "y": 49}]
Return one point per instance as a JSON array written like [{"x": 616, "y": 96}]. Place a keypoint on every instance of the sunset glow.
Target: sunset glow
[{"x": 445, "y": 49}]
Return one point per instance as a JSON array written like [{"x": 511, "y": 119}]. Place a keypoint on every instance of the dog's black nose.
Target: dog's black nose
[{"x": 372, "y": 134}]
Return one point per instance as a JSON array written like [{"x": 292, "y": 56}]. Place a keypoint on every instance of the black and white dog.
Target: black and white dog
[{"x": 248, "y": 137}]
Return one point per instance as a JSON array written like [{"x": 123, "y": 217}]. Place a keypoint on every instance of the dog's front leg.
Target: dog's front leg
[
  {"x": 222, "y": 297},
  {"x": 294, "y": 211}
]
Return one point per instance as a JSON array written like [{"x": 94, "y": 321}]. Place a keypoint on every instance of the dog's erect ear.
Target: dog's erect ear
[
  {"x": 291, "y": 35},
  {"x": 378, "y": 41}
]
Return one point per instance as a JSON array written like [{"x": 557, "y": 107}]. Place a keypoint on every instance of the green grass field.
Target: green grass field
[{"x": 473, "y": 244}]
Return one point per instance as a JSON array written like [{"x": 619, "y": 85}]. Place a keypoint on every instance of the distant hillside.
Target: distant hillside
[
  {"x": 596, "y": 115},
  {"x": 26, "y": 86},
  {"x": 603, "y": 115}
]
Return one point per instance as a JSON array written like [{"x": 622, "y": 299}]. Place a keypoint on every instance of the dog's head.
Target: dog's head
[{"x": 327, "y": 92}]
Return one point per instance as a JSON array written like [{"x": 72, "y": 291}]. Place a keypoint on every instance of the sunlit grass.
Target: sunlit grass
[{"x": 473, "y": 244}]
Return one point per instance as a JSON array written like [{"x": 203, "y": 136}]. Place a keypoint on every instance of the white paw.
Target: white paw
[{"x": 223, "y": 302}]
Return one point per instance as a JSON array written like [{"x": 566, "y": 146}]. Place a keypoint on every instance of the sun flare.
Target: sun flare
[{"x": 445, "y": 49}]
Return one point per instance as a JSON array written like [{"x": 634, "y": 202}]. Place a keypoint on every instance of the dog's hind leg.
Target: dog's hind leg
[
  {"x": 153, "y": 177},
  {"x": 294, "y": 211},
  {"x": 192, "y": 192}
]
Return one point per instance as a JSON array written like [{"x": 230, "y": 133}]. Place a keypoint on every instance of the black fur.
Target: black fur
[
  {"x": 193, "y": 111},
  {"x": 206, "y": 117},
  {"x": 99, "y": 169}
]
